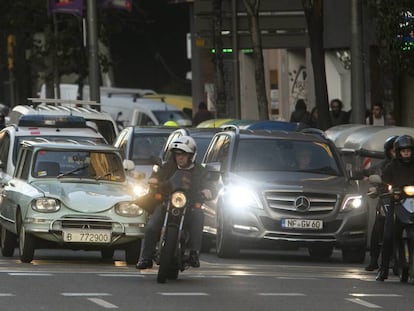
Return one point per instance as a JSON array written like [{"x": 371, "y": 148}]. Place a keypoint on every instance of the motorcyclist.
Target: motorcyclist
[
  {"x": 398, "y": 173},
  {"x": 184, "y": 150},
  {"x": 378, "y": 228}
]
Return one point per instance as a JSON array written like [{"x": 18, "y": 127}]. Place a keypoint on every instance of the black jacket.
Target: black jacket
[{"x": 398, "y": 174}]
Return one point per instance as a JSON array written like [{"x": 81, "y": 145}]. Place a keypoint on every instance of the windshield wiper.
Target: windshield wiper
[{"x": 73, "y": 171}]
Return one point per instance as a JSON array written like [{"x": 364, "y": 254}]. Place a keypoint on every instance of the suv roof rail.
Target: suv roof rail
[{"x": 57, "y": 102}]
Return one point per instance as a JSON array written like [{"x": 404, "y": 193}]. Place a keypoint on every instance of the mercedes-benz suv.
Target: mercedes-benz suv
[{"x": 281, "y": 189}]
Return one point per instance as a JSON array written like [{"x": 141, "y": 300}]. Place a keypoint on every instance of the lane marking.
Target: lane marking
[
  {"x": 374, "y": 295},
  {"x": 296, "y": 278},
  {"x": 121, "y": 275},
  {"x": 183, "y": 294},
  {"x": 281, "y": 294},
  {"x": 29, "y": 274},
  {"x": 210, "y": 276},
  {"x": 84, "y": 294},
  {"x": 363, "y": 303},
  {"x": 6, "y": 295},
  {"x": 103, "y": 303}
]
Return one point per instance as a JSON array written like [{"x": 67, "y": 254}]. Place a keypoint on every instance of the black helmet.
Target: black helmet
[
  {"x": 403, "y": 142},
  {"x": 389, "y": 145}
]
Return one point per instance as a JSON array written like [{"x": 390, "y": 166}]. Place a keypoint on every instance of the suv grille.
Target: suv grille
[{"x": 301, "y": 202}]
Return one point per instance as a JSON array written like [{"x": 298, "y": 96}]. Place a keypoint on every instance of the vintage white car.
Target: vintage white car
[{"x": 70, "y": 195}]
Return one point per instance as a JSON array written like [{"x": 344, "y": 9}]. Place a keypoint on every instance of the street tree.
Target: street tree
[
  {"x": 252, "y": 8},
  {"x": 314, "y": 17}
]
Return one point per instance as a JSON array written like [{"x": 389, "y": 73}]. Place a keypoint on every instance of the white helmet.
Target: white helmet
[{"x": 185, "y": 144}]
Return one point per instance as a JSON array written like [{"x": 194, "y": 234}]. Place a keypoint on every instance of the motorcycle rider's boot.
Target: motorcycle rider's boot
[
  {"x": 144, "y": 264},
  {"x": 382, "y": 274},
  {"x": 194, "y": 259}
]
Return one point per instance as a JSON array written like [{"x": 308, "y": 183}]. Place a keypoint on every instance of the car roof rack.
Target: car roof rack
[{"x": 57, "y": 102}]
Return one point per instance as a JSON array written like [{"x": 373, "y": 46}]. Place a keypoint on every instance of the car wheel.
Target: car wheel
[
  {"x": 320, "y": 251},
  {"x": 353, "y": 254},
  {"x": 132, "y": 252},
  {"x": 8, "y": 242},
  {"x": 226, "y": 244},
  {"x": 26, "y": 245},
  {"x": 107, "y": 253}
]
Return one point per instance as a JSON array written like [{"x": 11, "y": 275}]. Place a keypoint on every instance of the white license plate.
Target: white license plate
[
  {"x": 312, "y": 224},
  {"x": 87, "y": 236}
]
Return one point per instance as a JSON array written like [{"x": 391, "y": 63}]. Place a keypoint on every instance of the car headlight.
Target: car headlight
[
  {"x": 140, "y": 189},
  {"x": 242, "y": 197},
  {"x": 46, "y": 205},
  {"x": 352, "y": 203},
  {"x": 128, "y": 209},
  {"x": 178, "y": 199}
]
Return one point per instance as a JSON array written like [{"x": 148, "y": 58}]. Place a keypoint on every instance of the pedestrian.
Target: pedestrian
[
  {"x": 338, "y": 116},
  {"x": 376, "y": 116},
  {"x": 202, "y": 114},
  {"x": 314, "y": 118},
  {"x": 378, "y": 228},
  {"x": 300, "y": 114}
]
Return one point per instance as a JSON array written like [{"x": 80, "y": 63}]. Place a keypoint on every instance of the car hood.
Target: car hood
[
  {"x": 86, "y": 197},
  {"x": 293, "y": 181}
]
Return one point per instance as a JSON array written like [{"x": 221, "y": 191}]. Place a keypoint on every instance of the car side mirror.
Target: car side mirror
[{"x": 128, "y": 165}]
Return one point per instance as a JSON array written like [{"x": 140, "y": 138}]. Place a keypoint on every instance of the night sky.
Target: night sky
[{"x": 151, "y": 51}]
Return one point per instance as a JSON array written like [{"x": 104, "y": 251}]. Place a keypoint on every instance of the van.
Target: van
[
  {"x": 143, "y": 112},
  {"x": 103, "y": 122}
]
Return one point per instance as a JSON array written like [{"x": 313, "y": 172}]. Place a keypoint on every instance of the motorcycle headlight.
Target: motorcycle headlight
[
  {"x": 352, "y": 203},
  {"x": 46, "y": 205},
  {"x": 243, "y": 197},
  {"x": 140, "y": 189},
  {"x": 128, "y": 209},
  {"x": 178, "y": 199},
  {"x": 409, "y": 190}
]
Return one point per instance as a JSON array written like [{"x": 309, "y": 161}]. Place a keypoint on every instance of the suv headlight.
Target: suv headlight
[
  {"x": 351, "y": 202},
  {"x": 128, "y": 209},
  {"x": 46, "y": 205},
  {"x": 243, "y": 197}
]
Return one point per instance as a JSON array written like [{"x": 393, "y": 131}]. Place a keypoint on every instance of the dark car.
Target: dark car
[{"x": 280, "y": 189}]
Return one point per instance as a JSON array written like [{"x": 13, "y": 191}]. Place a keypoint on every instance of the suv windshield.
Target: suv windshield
[
  {"x": 84, "y": 164},
  {"x": 145, "y": 147},
  {"x": 283, "y": 155}
]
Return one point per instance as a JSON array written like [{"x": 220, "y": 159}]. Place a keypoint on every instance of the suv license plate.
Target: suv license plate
[
  {"x": 87, "y": 236},
  {"x": 312, "y": 224}
]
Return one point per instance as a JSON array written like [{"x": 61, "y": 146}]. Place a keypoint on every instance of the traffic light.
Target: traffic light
[{"x": 11, "y": 43}]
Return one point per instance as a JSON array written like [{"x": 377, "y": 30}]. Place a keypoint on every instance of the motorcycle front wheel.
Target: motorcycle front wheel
[{"x": 167, "y": 255}]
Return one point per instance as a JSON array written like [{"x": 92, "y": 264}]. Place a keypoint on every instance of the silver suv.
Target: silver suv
[{"x": 284, "y": 189}]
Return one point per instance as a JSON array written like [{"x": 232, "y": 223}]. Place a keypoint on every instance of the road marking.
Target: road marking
[
  {"x": 29, "y": 274},
  {"x": 103, "y": 303},
  {"x": 210, "y": 276},
  {"x": 373, "y": 295},
  {"x": 281, "y": 294},
  {"x": 183, "y": 294},
  {"x": 295, "y": 278},
  {"x": 363, "y": 303},
  {"x": 84, "y": 294},
  {"x": 121, "y": 275},
  {"x": 6, "y": 295}
]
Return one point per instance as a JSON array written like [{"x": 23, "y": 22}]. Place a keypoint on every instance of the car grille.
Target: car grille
[
  {"x": 92, "y": 222},
  {"x": 319, "y": 203}
]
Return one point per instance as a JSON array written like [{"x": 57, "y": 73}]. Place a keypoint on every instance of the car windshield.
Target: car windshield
[
  {"x": 283, "y": 155},
  {"x": 145, "y": 147},
  {"x": 80, "y": 139},
  {"x": 167, "y": 115},
  {"x": 82, "y": 164}
]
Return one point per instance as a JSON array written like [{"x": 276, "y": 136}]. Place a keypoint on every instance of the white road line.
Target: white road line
[
  {"x": 120, "y": 275},
  {"x": 202, "y": 276},
  {"x": 103, "y": 303},
  {"x": 6, "y": 295},
  {"x": 29, "y": 274},
  {"x": 281, "y": 294},
  {"x": 84, "y": 294},
  {"x": 183, "y": 294},
  {"x": 373, "y": 295},
  {"x": 295, "y": 278},
  {"x": 363, "y": 303}
]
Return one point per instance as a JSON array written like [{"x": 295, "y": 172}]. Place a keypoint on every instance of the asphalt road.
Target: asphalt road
[{"x": 67, "y": 280}]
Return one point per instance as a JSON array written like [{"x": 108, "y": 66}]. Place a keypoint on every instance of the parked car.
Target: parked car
[
  {"x": 141, "y": 144},
  {"x": 70, "y": 195},
  {"x": 270, "y": 197}
]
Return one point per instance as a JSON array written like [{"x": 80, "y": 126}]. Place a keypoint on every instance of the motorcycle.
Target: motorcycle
[
  {"x": 403, "y": 200},
  {"x": 172, "y": 254}
]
